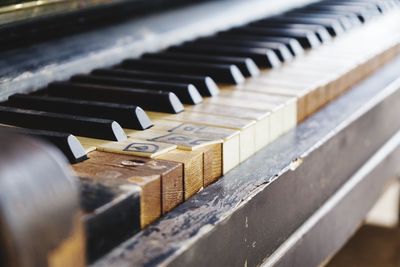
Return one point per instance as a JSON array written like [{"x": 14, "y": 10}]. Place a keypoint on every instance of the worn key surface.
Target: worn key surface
[
  {"x": 230, "y": 137},
  {"x": 152, "y": 100},
  {"x": 211, "y": 148},
  {"x": 246, "y": 127}
]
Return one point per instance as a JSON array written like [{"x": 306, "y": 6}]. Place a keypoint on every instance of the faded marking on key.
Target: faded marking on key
[
  {"x": 137, "y": 147},
  {"x": 141, "y": 147}
]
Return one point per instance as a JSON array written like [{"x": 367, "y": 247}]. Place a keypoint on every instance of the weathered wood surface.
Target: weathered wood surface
[
  {"x": 332, "y": 225},
  {"x": 256, "y": 206}
]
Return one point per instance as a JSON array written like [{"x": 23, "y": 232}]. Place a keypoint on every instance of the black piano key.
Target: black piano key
[
  {"x": 333, "y": 26},
  {"x": 187, "y": 93},
  {"x": 373, "y": 6},
  {"x": 307, "y": 39},
  {"x": 292, "y": 44},
  {"x": 362, "y": 14},
  {"x": 355, "y": 20},
  {"x": 205, "y": 85},
  {"x": 78, "y": 125},
  {"x": 346, "y": 22},
  {"x": 321, "y": 33},
  {"x": 245, "y": 65},
  {"x": 221, "y": 73},
  {"x": 129, "y": 116},
  {"x": 264, "y": 58},
  {"x": 279, "y": 49},
  {"x": 149, "y": 100},
  {"x": 68, "y": 144}
]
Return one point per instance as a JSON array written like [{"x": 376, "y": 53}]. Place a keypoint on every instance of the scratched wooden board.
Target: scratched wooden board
[
  {"x": 283, "y": 108},
  {"x": 211, "y": 149},
  {"x": 290, "y": 170},
  {"x": 192, "y": 161},
  {"x": 150, "y": 205},
  {"x": 193, "y": 169},
  {"x": 275, "y": 111},
  {"x": 171, "y": 173}
]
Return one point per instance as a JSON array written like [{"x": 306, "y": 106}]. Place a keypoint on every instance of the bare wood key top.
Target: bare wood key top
[{"x": 170, "y": 173}]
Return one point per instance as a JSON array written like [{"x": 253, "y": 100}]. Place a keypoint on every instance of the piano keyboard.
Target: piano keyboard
[{"x": 157, "y": 129}]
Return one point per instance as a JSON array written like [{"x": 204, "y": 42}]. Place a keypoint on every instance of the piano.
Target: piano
[{"x": 194, "y": 133}]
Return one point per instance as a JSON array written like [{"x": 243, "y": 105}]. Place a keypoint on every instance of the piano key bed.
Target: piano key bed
[{"x": 155, "y": 131}]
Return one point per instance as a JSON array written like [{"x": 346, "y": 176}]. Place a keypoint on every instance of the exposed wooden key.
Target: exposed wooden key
[
  {"x": 191, "y": 160},
  {"x": 211, "y": 148},
  {"x": 150, "y": 201},
  {"x": 171, "y": 173},
  {"x": 230, "y": 137},
  {"x": 193, "y": 169}
]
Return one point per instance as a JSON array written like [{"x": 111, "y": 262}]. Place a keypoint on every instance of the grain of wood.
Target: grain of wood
[
  {"x": 151, "y": 185},
  {"x": 171, "y": 173}
]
